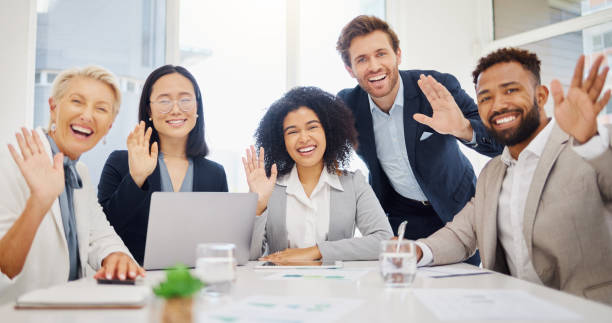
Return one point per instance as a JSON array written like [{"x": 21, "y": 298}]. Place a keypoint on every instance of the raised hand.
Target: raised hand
[
  {"x": 44, "y": 178},
  {"x": 577, "y": 112},
  {"x": 142, "y": 162},
  {"x": 256, "y": 176},
  {"x": 447, "y": 118}
]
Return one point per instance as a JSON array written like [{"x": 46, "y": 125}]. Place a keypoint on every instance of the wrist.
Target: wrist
[
  {"x": 316, "y": 253},
  {"x": 466, "y": 131}
]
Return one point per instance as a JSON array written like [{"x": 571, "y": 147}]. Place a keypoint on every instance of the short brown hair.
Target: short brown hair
[
  {"x": 527, "y": 59},
  {"x": 359, "y": 26}
]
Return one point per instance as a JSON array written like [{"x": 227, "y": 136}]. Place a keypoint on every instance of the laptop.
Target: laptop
[{"x": 179, "y": 221}]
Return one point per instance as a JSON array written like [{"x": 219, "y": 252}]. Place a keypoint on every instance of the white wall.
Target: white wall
[
  {"x": 444, "y": 35},
  {"x": 18, "y": 39}
]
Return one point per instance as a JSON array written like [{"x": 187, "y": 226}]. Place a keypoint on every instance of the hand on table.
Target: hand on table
[
  {"x": 577, "y": 112},
  {"x": 45, "y": 179},
  {"x": 142, "y": 162},
  {"x": 447, "y": 117},
  {"x": 120, "y": 266},
  {"x": 290, "y": 254},
  {"x": 257, "y": 179}
]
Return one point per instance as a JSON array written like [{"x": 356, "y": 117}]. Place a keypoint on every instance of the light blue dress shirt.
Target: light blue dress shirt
[
  {"x": 166, "y": 181},
  {"x": 391, "y": 147}
]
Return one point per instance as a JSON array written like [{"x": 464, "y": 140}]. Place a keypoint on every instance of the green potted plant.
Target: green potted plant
[{"x": 178, "y": 291}]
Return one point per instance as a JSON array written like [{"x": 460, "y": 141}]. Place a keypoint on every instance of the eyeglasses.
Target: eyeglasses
[{"x": 165, "y": 105}]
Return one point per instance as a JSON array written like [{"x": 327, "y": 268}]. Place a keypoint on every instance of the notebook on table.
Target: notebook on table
[{"x": 85, "y": 296}]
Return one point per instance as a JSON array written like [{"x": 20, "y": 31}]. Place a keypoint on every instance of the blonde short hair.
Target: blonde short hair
[{"x": 60, "y": 84}]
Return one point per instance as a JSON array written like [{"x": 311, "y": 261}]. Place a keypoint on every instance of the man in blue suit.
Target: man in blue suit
[{"x": 408, "y": 129}]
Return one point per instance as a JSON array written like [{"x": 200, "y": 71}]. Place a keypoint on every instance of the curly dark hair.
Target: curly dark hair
[
  {"x": 336, "y": 119},
  {"x": 527, "y": 59}
]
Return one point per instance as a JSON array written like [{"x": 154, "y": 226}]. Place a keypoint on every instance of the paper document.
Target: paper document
[
  {"x": 449, "y": 271},
  {"x": 317, "y": 274},
  {"x": 490, "y": 304},
  {"x": 282, "y": 309},
  {"x": 85, "y": 296}
]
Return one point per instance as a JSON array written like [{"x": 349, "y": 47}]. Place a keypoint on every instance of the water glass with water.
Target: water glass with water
[
  {"x": 397, "y": 260},
  {"x": 216, "y": 266}
]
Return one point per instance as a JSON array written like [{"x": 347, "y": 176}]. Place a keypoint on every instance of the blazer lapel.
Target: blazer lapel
[
  {"x": 549, "y": 156},
  {"x": 341, "y": 211},
  {"x": 155, "y": 179},
  {"x": 489, "y": 240},
  {"x": 365, "y": 125},
  {"x": 82, "y": 225},
  {"x": 411, "y": 106}
]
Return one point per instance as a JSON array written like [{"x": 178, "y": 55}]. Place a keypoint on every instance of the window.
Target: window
[
  {"x": 126, "y": 37},
  {"x": 246, "y": 54}
]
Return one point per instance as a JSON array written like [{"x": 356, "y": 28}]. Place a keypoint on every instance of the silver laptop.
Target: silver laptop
[{"x": 179, "y": 221}]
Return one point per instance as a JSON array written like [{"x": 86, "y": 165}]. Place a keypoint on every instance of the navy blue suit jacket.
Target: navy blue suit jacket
[
  {"x": 127, "y": 206},
  {"x": 444, "y": 174}
]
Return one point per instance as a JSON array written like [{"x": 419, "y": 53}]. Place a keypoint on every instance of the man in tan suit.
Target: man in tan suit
[{"x": 541, "y": 208}]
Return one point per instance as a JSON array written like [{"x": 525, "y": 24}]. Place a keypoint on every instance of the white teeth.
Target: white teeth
[
  {"x": 378, "y": 78},
  {"x": 81, "y": 129},
  {"x": 175, "y": 121},
  {"x": 307, "y": 149},
  {"x": 505, "y": 120}
]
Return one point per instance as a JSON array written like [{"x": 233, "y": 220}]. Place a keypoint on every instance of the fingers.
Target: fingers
[
  {"x": 273, "y": 173},
  {"x": 249, "y": 160},
  {"x": 132, "y": 270},
  {"x": 109, "y": 266},
  {"x": 421, "y": 118},
  {"x": 58, "y": 162},
  {"x": 603, "y": 102},
  {"x": 154, "y": 150},
  {"x": 246, "y": 167},
  {"x": 557, "y": 92},
  {"x": 99, "y": 274},
  {"x": 122, "y": 267},
  {"x": 440, "y": 89},
  {"x": 578, "y": 72},
  {"x": 253, "y": 157},
  {"x": 16, "y": 156},
  {"x": 260, "y": 157},
  {"x": 595, "y": 90},
  {"x": 23, "y": 146},
  {"x": 593, "y": 73},
  {"x": 147, "y": 136},
  {"x": 38, "y": 145},
  {"x": 426, "y": 86}
]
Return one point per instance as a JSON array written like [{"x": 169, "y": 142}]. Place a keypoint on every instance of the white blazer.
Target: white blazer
[{"x": 47, "y": 262}]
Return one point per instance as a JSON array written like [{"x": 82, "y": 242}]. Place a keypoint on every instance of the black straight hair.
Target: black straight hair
[{"x": 196, "y": 144}]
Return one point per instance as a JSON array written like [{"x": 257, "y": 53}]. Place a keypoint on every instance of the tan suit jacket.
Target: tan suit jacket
[{"x": 565, "y": 225}]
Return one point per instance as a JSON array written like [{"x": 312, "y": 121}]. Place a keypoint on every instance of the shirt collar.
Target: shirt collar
[
  {"x": 71, "y": 176},
  {"x": 536, "y": 146},
  {"x": 293, "y": 184},
  {"x": 399, "y": 98}
]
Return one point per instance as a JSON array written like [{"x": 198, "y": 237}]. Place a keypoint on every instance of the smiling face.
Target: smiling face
[
  {"x": 510, "y": 103},
  {"x": 83, "y": 115},
  {"x": 374, "y": 64},
  {"x": 304, "y": 138},
  {"x": 176, "y": 124}
]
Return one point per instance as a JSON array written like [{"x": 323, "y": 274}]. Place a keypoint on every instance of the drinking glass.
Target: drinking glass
[
  {"x": 397, "y": 260},
  {"x": 216, "y": 266}
]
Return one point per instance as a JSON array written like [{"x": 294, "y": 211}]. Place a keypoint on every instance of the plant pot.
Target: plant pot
[{"x": 177, "y": 310}]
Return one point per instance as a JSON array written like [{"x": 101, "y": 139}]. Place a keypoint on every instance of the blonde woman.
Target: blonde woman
[{"x": 51, "y": 227}]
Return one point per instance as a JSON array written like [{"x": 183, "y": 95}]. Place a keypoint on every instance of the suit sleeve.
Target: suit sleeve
[
  {"x": 484, "y": 144},
  {"x": 456, "y": 241},
  {"x": 372, "y": 223},
  {"x": 603, "y": 167},
  {"x": 118, "y": 195},
  {"x": 258, "y": 240}
]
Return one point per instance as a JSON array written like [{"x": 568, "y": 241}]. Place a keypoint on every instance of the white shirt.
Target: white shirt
[
  {"x": 513, "y": 196},
  {"x": 308, "y": 217}
]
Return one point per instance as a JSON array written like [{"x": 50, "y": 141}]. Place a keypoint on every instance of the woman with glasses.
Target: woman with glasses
[{"x": 166, "y": 152}]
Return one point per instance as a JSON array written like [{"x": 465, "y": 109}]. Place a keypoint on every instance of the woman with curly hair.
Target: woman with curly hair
[{"x": 310, "y": 212}]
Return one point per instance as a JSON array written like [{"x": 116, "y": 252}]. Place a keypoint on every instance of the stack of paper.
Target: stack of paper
[{"x": 85, "y": 296}]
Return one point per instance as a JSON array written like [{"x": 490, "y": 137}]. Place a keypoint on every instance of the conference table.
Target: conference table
[{"x": 376, "y": 302}]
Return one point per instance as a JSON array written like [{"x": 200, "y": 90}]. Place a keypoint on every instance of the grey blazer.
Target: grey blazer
[
  {"x": 565, "y": 225},
  {"x": 355, "y": 206}
]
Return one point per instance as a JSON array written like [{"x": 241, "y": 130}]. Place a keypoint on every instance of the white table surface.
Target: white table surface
[{"x": 381, "y": 304}]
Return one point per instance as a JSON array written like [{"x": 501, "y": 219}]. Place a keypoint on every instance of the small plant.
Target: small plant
[{"x": 179, "y": 284}]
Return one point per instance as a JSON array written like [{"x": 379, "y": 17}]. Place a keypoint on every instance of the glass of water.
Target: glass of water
[
  {"x": 216, "y": 266},
  {"x": 397, "y": 262}
]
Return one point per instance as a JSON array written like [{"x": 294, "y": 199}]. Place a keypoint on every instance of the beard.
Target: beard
[
  {"x": 511, "y": 137},
  {"x": 393, "y": 76}
]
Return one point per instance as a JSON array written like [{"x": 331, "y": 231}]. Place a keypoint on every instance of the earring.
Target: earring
[
  {"x": 53, "y": 127},
  {"x": 150, "y": 119},
  {"x": 197, "y": 115}
]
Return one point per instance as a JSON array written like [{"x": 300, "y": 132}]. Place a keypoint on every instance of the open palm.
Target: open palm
[
  {"x": 447, "y": 118},
  {"x": 577, "y": 112},
  {"x": 44, "y": 178},
  {"x": 142, "y": 162},
  {"x": 257, "y": 179}
]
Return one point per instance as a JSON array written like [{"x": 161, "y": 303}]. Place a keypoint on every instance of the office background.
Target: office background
[{"x": 246, "y": 54}]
